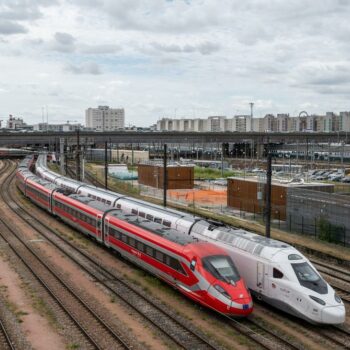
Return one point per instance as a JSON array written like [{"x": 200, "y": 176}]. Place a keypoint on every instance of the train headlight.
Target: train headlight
[
  {"x": 318, "y": 300},
  {"x": 222, "y": 291},
  {"x": 337, "y": 298}
]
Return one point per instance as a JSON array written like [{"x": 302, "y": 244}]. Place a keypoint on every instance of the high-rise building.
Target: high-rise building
[{"x": 104, "y": 118}]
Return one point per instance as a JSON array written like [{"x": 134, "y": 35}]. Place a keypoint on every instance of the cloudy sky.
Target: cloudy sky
[{"x": 158, "y": 58}]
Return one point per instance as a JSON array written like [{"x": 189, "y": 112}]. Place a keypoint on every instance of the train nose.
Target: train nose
[{"x": 333, "y": 314}]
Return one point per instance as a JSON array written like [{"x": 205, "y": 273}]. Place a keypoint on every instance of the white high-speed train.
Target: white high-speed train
[{"x": 274, "y": 271}]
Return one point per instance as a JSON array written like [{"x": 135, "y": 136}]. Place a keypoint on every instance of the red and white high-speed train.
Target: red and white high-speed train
[
  {"x": 201, "y": 271},
  {"x": 274, "y": 271}
]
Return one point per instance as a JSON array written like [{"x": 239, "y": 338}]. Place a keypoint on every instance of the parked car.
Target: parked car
[
  {"x": 346, "y": 179},
  {"x": 335, "y": 177}
]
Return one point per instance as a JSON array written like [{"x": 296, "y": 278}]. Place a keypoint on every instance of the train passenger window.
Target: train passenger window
[
  {"x": 134, "y": 211},
  {"x": 140, "y": 246},
  {"x": 113, "y": 232},
  {"x": 132, "y": 242},
  {"x": 142, "y": 214},
  {"x": 158, "y": 220},
  {"x": 167, "y": 223},
  {"x": 149, "y": 250},
  {"x": 125, "y": 238},
  {"x": 108, "y": 202},
  {"x": 277, "y": 273},
  {"x": 159, "y": 256},
  {"x": 149, "y": 217}
]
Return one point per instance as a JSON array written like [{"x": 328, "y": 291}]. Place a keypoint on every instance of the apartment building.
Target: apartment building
[
  {"x": 104, "y": 118},
  {"x": 330, "y": 122}
]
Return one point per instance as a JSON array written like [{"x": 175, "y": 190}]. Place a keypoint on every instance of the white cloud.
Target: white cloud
[
  {"x": 155, "y": 56},
  {"x": 84, "y": 68},
  {"x": 9, "y": 27},
  {"x": 63, "y": 42}
]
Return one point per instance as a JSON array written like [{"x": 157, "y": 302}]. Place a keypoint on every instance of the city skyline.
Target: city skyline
[{"x": 173, "y": 58}]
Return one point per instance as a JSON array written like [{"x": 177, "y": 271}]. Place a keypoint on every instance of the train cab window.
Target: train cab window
[
  {"x": 277, "y": 273},
  {"x": 134, "y": 211},
  {"x": 119, "y": 206},
  {"x": 142, "y": 214},
  {"x": 167, "y": 223},
  {"x": 308, "y": 278},
  {"x": 158, "y": 220},
  {"x": 221, "y": 267},
  {"x": 193, "y": 264}
]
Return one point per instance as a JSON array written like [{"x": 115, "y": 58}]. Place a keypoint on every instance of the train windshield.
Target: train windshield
[
  {"x": 222, "y": 268},
  {"x": 308, "y": 278}
]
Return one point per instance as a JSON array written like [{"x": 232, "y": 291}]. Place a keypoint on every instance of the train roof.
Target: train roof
[
  {"x": 244, "y": 240},
  {"x": 43, "y": 182},
  {"x": 156, "y": 207},
  {"x": 151, "y": 226},
  {"x": 25, "y": 172},
  {"x": 98, "y": 191}
]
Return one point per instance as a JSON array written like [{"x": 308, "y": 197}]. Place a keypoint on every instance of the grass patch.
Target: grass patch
[{"x": 209, "y": 173}]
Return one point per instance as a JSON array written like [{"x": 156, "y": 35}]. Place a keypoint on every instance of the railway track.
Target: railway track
[
  {"x": 338, "y": 278},
  {"x": 258, "y": 334},
  {"x": 97, "y": 333},
  {"x": 262, "y": 334},
  {"x": 265, "y": 337},
  {"x": 5, "y": 340},
  {"x": 170, "y": 325}
]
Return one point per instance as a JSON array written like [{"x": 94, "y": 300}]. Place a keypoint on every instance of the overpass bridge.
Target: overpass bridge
[{"x": 90, "y": 138}]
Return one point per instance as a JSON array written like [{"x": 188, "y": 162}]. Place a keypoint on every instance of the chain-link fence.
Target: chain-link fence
[{"x": 322, "y": 215}]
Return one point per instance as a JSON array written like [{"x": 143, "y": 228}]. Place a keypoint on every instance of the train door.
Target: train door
[
  {"x": 99, "y": 227},
  {"x": 105, "y": 232},
  {"x": 260, "y": 276}
]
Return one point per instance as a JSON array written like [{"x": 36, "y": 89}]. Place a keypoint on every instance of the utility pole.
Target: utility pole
[
  {"x": 251, "y": 104},
  {"x": 77, "y": 158},
  {"x": 222, "y": 159},
  {"x": 165, "y": 176},
  {"x": 268, "y": 195},
  {"x": 106, "y": 166},
  {"x": 62, "y": 155},
  {"x": 65, "y": 156}
]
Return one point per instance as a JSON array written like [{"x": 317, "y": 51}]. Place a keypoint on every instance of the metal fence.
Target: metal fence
[{"x": 322, "y": 215}]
